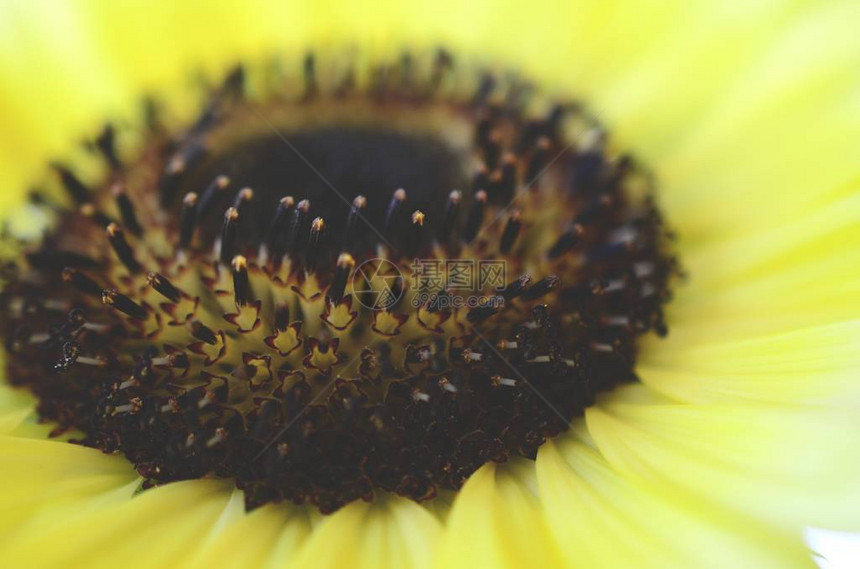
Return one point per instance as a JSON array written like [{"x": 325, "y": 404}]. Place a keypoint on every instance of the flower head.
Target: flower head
[{"x": 241, "y": 288}]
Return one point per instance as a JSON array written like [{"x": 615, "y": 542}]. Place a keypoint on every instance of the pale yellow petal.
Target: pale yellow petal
[
  {"x": 42, "y": 479},
  {"x": 268, "y": 537},
  {"x": 496, "y": 521},
  {"x": 788, "y": 466},
  {"x": 810, "y": 366},
  {"x": 391, "y": 532},
  {"x": 600, "y": 518},
  {"x": 159, "y": 527}
]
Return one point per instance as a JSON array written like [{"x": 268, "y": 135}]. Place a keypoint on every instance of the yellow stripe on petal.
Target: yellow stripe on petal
[
  {"x": 268, "y": 537},
  {"x": 496, "y": 521},
  {"x": 157, "y": 528},
  {"x": 787, "y": 466},
  {"x": 42, "y": 479},
  {"x": 391, "y": 532},
  {"x": 812, "y": 366},
  {"x": 600, "y": 518}
]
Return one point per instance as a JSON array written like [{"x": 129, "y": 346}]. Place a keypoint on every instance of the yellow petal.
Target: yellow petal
[
  {"x": 787, "y": 466},
  {"x": 159, "y": 527},
  {"x": 600, "y": 518},
  {"x": 268, "y": 537},
  {"x": 781, "y": 138},
  {"x": 42, "y": 479},
  {"x": 811, "y": 366},
  {"x": 391, "y": 532},
  {"x": 496, "y": 521}
]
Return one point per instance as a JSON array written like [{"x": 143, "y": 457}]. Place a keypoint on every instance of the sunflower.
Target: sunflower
[{"x": 666, "y": 376}]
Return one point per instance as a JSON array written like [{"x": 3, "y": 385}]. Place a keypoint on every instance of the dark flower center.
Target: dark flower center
[{"x": 366, "y": 284}]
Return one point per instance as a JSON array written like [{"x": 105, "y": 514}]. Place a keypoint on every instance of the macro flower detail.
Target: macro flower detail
[
  {"x": 284, "y": 285},
  {"x": 191, "y": 310}
]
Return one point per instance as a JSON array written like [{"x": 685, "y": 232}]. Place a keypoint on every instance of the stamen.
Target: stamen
[
  {"x": 509, "y": 235},
  {"x": 122, "y": 249},
  {"x": 345, "y": 264},
  {"x": 81, "y": 281},
  {"x": 164, "y": 287},
  {"x": 126, "y": 210},
  {"x": 297, "y": 231},
  {"x": 187, "y": 220},
  {"x": 452, "y": 214},
  {"x": 476, "y": 216},
  {"x": 276, "y": 235},
  {"x": 241, "y": 284},
  {"x": 76, "y": 189},
  {"x": 229, "y": 231},
  {"x": 124, "y": 304},
  {"x": 219, "y": 184},
  {"x": 350, "y": 232},
  {"x": 394, "y": 214},
  {"x": 314, "y": 252}
]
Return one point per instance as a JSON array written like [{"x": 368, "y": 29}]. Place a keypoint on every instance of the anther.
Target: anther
[
  {"x": 106, "y": 143},
  {"x": 81, "y": 282},
  {"x": 345, "y": 264},
  {"x": 219, "y": 184},
  {"x": 241, "y": 285},
  {"x": 123, "y": 251},
  {"x": 567, "y": 241},
  {"x": 229, "y": 231},
  {"x": 394, "y": 214},
  {"x": 297, "y": 232},
  {"x": 452, "y": 213},
  {"x": 315, "y": 245},
  {"x": 164, "y": 287},
  {"x": 539, "y": 160},
  {"x": 276, "y": 234},
  {"x": 187, "y": 220},
  {"x": 515, "y": 288},
  {"x": 124, "y": 304},
  {"x": 415, "y": 235},
  {"x": 542, "y": 287},
  {"x": 476, "y": 216},
  {"x": 510, "y": 233},
  {"x": 503, "y": 182},
  {"x": 76, "y": 189},
  {"x": 353, "y": 218},
  {"x": 126, "y": 210},
  {"x": 243, "y": 200},
  {"x": 202, "y": 332}
]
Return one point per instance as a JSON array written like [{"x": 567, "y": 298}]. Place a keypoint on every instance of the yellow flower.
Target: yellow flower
[{"x": 743, "y": 429}]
